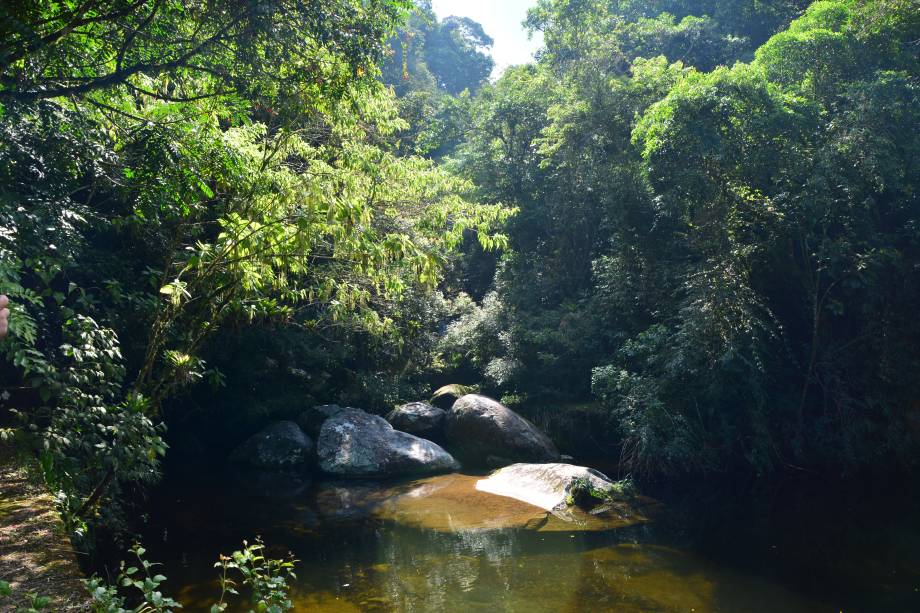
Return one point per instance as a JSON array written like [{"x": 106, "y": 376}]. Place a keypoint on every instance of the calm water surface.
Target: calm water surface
[{"x": 435, "y": 545}]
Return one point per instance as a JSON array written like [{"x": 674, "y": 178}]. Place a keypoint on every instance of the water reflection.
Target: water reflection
[
  {"x": 502, "y": 571},
  {"x": 432, "y": 545}
]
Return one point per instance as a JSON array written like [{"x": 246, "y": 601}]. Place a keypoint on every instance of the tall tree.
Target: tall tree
[
  {"x": 701, "y": 246},
  {"x": 170, "y": 168}
]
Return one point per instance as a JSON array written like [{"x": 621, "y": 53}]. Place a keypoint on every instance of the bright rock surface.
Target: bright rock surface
[
  {"x": 357, "y": 444},
  {"x": 543, "y": 485}
]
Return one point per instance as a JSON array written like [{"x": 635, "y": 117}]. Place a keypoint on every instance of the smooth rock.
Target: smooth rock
[
  {"x": 483, "y": 432},
  {"x": 279, "y": 446},
  {"x": 548, "y": 486},
  {"x": 356, "y": 444},
  {"x": 420, "y": 419},
  {"x": 452, "y": 503}
]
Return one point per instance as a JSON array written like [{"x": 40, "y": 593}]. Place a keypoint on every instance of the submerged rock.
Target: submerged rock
[
  {"x": 279, "y": 446},
  {"x": 420, "y": 419},
  {"x": 553, "y": 487},
  {"x": 484, "y": 432},
  {"x": 355, "y": 443},
  {"x": 349, "y": 500},
  {"x": 452, "y": 503},
  {"x": 312, "y": 420}
]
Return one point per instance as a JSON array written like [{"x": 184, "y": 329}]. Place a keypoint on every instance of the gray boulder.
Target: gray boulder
[
  {"x": 420, "y": 419},
  {"x": 356, "y": 444},
  {"x": 483, "y": 432},
  {"x": 312, "y": 420},
  {"x": 553, "y": 487},
  {"x": 279, "y": 446}
]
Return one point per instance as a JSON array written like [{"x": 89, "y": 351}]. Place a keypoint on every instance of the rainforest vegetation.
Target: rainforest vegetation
[{"x": 689, "y": 227}]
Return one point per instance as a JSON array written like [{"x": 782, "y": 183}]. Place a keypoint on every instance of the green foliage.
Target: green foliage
[
  {"x": 211, "y": 168},
  {"x": 582, "y": 493},
  {"x": 142, "y": 579},
  {"x": 725, "y": 247},
  {"x": 560, "y": 152},
  {"x": 778, "y": 247},
  {"x": 453, "y": 389},
  {"x": 36, "y": 603},
  {"x": 93, "y": 437},
  {"x": 266, "y": 578},
  {"x": 200, "y": 48},
  {"x": 838, "y": 42},
  {"x": 437, "y": 122},
  {"x": 450, "y": 55},
  {"x": 455, "y": 53},
  {"x": 435, "y": 67},
  {"x": 711, "y": 224},
  {"x": 476, "y": 339},
  {"x": 703, "y": 33},
  {"x": 694, "y": 40}
]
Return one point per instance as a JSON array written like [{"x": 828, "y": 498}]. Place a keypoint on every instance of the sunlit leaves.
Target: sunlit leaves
[
  {"x": 184, "y": 51},
  {"x": 180, "y": 165}
]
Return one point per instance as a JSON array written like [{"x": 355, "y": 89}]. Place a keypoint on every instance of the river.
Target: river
[{"x": 397, "y": 547}]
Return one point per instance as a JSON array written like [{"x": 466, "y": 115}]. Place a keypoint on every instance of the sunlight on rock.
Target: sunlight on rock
[
  {"x": 551, "y": 486},
  {"x": 453, "y": 503}
]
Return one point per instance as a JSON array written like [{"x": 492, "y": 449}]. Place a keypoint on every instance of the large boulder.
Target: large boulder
[
  {"x": 356, "y": 444},
  {"x": 483, "y": 432},
  {"x": 312, "y": 420},
  {"x": 279, "y": 446},
  {"x": 453, "y": 504},
  {"x": 420, "y": 419},
  {"x": 553, "y": 487}
]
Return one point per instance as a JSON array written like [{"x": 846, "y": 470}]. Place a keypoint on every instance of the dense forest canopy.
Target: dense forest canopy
[
  {"x": 717, "y": 237},
  {"x": 172, "y": 169},
  {"x": 428, "y": 55},
  {"x": 700, "y": 219}
]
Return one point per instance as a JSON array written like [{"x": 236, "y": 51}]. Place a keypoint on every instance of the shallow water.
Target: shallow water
[{"x": 438, "y": 545}]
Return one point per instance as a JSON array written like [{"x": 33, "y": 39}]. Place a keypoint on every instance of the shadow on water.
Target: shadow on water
[{"x": 397, "y": 547}]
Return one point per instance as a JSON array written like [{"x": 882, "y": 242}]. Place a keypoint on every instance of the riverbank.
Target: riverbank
[{"x": 36, "y": 555}]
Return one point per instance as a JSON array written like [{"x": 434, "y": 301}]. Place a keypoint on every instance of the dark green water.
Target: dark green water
[{"x": 786, "y": 550}]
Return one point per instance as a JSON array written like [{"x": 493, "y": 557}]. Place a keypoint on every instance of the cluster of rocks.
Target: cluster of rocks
[
  {"x": 419, "y": 439},
  {"x": 412, "y": 440}
]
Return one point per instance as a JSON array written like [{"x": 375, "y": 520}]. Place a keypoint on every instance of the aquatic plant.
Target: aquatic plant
[{"x": 584, "y": 494}]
